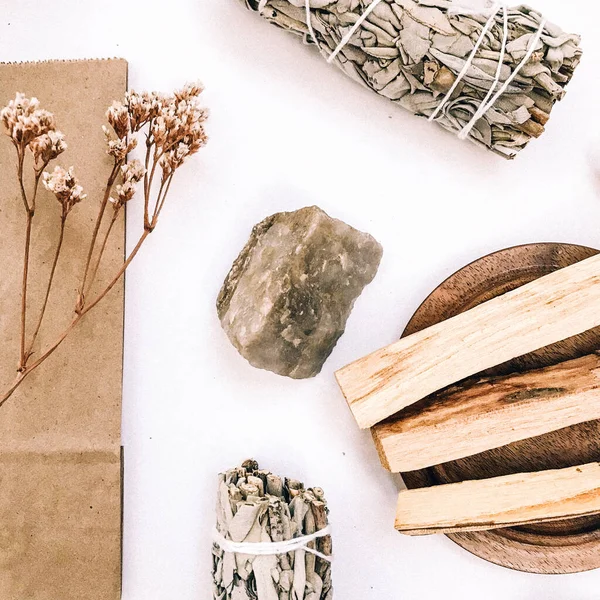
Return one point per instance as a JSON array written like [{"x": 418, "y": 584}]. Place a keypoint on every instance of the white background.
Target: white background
[{"x": 288, "y": 130}]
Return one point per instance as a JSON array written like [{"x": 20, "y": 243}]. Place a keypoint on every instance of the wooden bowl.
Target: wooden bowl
[{"x": 568, "y": 546}]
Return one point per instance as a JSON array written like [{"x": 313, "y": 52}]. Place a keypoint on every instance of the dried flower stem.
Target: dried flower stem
[
  {"x": 113, "y": 220},
  {"x": 21, "y": 159},
  {"x": 78, "y": 317},
  {"x": 61, "y": 237},
  {"x": 25, "y": 257},
  {"x": 111, "y": 181},
  {"x": 155, "y": 163},
  {"x": 147, "y": 183},
  {"x": 29, "y": 212},
  {"x": 27, "y": 369},
  {"x": 162, "y": 196},
  {"x": 175, "y": 131},
  {"x": 23, "y": 357},
  {"x": 118, "y": 276}
]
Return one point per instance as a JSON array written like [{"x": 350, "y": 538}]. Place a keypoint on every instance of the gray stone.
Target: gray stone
[{"x": 287, "y": 298}]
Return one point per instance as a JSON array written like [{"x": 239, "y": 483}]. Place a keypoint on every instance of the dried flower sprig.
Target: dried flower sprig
[
  {"x": 30, "y": 127},
  {"x": 47, "y": 147},
  {"x": 25, "y": 120},
  {"x": 132, "y": 174},
  {"x": 173, "y": 127},
  {"x": 64, "y": 185}
]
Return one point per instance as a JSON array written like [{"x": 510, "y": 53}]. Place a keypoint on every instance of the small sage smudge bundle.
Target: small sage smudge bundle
[
  {"x": 415, "y": 51},
  {"x": 255, "y": 506}
]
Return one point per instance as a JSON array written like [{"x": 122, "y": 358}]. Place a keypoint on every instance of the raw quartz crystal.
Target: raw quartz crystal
[
  {"x": 255, "y": 505},
  {"x": 413, "y": 51},
  {"x": 287, "y": 298}
]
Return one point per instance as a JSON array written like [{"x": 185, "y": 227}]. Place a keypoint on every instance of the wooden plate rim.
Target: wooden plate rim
[{"x": 511, "y": 548}]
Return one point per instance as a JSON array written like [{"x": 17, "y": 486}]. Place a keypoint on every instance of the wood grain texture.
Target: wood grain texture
[
  {"x": 488, "y": 413},
  {"x": 542, "y": 312},
  {"x": 508, "y": 501},
  {"x": 568, "y": 546}
]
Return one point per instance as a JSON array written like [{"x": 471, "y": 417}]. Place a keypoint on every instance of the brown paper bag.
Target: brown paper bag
[{"x": 60, "y": 455}]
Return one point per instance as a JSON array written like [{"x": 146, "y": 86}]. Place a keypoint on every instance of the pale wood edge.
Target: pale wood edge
[
  {"x": 379, "y": 399},
  {"x": 583, "y": 388},
  {"x": 517, "y": 549},
  {"x": 575, "y": 503}
]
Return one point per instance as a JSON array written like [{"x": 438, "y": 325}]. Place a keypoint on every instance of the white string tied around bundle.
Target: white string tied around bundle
[
  {"x": 490, "y": 100},
  {"x": 476, "y": 7},
  {"x": 273, "y": 548}
]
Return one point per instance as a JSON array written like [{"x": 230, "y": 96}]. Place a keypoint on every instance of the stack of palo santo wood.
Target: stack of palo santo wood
[{"x": 463, "y": 415}]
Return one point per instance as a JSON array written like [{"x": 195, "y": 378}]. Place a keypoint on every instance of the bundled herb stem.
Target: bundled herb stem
[
  {"x": 172, "y": 126},
  {"x": 414, "y": 51},
  {"x": 255, "y": 505}
]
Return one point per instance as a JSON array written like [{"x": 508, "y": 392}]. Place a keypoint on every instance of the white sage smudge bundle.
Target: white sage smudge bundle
[
  {"x": 256, "y": 509},
  {"x": 416, "y": 52}
]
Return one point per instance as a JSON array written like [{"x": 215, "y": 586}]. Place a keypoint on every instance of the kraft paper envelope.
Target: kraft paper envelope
[{"x": 60, "y": 438}]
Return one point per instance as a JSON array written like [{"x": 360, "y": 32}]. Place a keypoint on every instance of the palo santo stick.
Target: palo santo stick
[
  {"x": 500, "y": 502},
  {"x": 545, "y": 311},
  {"x": 466, "y": 420}
]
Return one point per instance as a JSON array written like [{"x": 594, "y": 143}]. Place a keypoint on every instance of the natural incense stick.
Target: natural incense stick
[
  {"x": 500, "y": 502},
  {"x": 481, "y": 415},
  {"x": 552, "y": 308}
]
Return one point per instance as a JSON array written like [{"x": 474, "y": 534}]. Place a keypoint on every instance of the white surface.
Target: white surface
[{"x": 288, "y": 130}]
